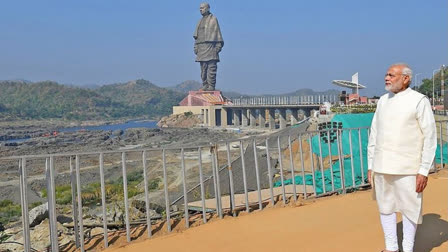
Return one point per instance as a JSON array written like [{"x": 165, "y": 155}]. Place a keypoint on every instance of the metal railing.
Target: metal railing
[
  {"x": 217, "y": 179},
  {"x": 441, "y": 112},
  {"x": 285, "y": 100}
]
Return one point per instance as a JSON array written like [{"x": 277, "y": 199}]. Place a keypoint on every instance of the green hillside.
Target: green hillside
[
  {"x": 48, "y": 99},
  {"x": 143, "y": 97}
]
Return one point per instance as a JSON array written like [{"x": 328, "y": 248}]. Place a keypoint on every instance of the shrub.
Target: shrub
[
  {"x": 9, "y": 211},
  {"x": 63, "y": 194},
  {"x": 153, "y": 184}
]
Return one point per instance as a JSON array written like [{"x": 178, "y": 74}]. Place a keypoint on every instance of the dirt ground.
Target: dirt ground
[{"x": 336, "y": 223}]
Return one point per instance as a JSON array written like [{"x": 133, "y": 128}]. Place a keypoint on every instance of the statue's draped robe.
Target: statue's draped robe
[{"x": 208, "y": 39}]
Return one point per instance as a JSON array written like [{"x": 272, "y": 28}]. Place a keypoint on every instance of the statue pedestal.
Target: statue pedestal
[{"x": 204, "y": 98}]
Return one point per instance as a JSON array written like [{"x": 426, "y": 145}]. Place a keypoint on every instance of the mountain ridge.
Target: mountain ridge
[{"x": 136, "y": 98}]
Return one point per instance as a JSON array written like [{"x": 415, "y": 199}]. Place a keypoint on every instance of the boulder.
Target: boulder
[
  {"x": 96, "y": 231},
  {"x": 155, "y": 210},
  {"x": 64, "y": 219},
  {"x": 117, "y": 132},
  {"x": 39, "y": 236},
  {"x": 38, "y": 214}
]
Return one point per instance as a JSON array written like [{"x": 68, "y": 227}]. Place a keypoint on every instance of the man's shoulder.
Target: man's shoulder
[
  {"x": 383, "y": 97},
  {"x": 416, "y": 94}
]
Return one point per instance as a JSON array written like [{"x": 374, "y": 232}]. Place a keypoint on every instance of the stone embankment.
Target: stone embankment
[{"x": 186, "y": 120}]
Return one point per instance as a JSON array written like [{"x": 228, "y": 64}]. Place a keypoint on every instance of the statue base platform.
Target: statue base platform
[{"x": 204, "y": 98}]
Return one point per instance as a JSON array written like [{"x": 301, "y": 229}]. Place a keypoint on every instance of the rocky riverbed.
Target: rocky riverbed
[{"x": 131, "y": 141}]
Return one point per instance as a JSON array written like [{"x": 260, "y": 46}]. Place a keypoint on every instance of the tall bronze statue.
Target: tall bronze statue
[{"x": 208, "y": 43}]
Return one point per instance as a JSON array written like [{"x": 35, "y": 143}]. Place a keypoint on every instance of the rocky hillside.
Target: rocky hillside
[{"x": 186, "y": 86}]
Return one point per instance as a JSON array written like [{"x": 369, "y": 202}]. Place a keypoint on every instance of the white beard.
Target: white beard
[{"x": 392, "y": 88}]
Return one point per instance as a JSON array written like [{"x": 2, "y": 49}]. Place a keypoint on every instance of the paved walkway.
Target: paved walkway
[{"x": 338, "y": 223}]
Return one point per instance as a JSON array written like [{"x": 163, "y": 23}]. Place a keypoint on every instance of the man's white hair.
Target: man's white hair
[{"x": 406, "y": 70}]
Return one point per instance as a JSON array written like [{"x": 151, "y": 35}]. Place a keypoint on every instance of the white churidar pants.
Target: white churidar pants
[
  {"x": 396, "y": 193},
  {"x": 389, "y": 223}
]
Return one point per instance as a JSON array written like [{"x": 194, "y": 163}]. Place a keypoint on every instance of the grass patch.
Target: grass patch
[{"x": 91, "y": 193}]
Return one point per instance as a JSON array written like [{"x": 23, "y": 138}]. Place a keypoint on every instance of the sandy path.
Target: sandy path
[{"x": 339, "y": 223}]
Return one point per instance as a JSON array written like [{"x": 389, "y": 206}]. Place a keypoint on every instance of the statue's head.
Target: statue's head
[{"x": 204, "y": 8}]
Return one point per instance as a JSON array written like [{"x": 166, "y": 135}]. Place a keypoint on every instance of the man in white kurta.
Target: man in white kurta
[{"x": 401, "y": 150}]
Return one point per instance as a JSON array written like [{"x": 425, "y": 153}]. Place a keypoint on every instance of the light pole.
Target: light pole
[
  {"x": 442, "y": 85},
  {"x": 416, "y": 85},
  {"x": 433, "y": 95}
]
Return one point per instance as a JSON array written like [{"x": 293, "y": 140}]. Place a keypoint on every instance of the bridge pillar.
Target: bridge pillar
[
  {"x": 294, "y": 116},
  {"x": 308, "y": 112},
  {"x": 301, "y": 114},
  {"x": 236, "y": 117},
  {"x": 282, "y": 118},
  {"x": 206, "y": 118},
  {"x": 252, "y": 121},
  {"x": 262, "y": 118},
  {"x": 271, "y": 119},
  {"x": 244, "y": 119}
]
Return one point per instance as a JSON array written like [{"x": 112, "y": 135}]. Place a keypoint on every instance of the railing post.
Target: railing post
[
  {"x": 103, "y": 201},
  {"x": 341, "y": 159},
  {"x": 243, "y": 166},
  {"x": 361, "y": 156},
  {"x": 281, "y": 169},
  {"x": 165, "y": 187},
  {"x": 330, "y": 161},
  {"x": 125, "y": 194},
  {"x": 51, "y": 195},
  {"x": 321, "y": 165},
  {"x": 78, "y": 189},
  {"x": 24, "y": 203},
  {"x": 145, "y": 181},
  {"x": 231, "y": 187},
  {"x": 218, "y": 180},
  {"x": 441, "y": 145},
  {"x": 351, "y": 158},
  {"x": 201, "y": 181},
  {"x": 302, "y": 164},
  {"x": 184, "y": 185},
  {"x": 257, "y": 175},
  {"x": 291, "y": 163},
  {"x": 215, "y": 182},
  {"x": 74, "y": 205},
  {"x": 268, "y": 159}
]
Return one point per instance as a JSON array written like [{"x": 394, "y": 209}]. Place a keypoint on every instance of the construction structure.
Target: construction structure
[
  {"x": 208, "y": 104},
  {"x": 355, "y": 86}
]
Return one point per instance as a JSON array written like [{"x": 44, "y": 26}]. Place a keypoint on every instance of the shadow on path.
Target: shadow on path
[{"x": 430, "y": 234}]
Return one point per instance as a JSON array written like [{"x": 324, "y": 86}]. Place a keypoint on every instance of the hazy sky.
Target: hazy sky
[{"x": 270, "y": 46}]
